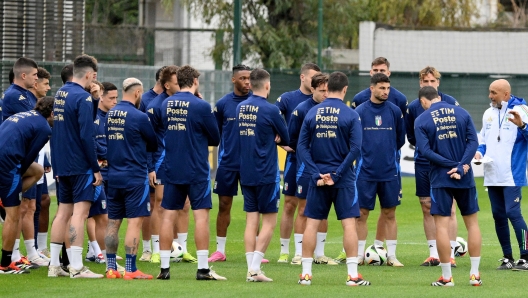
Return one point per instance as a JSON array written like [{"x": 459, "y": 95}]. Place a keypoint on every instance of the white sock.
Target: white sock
[
  {"x": 298, "y": 243},
  {"x": 391, "y": 248},
  {"x": 475, "y": 262},
  {"x": 446, "y": 270},
  {"x": 433, "y": 251},
  {"x": 42, "y": 241},
  {"x": 378, "y": 242},
  {"x": 257, "y": 260},
  {"x": 15, "y": 256},
  {"x": 76, "y": 257},
  {"x": 182, "y": 239},
  {"x": 285, "y": 245},
  {"x": 55, "y": 250},
  {"x": 146, "y": 246},
  {"x": 202, "y": 256},
  {"x": 320, "y": 245},
  {"x": 155, "y": 243},
  {"x": 307, "y": 266},
  {"x": 361, "y": 248},
  {"x": 30, "y": 249},
  {"x": 90, "y": 252},
  {"x": 352, "y": 264},
  {"x": 165, "y": 258},
  {"x": 96, "y": 248},
  {"x": 453, "y": 245},
  {"x": 220, "y": 244},
  {"x": 249, "y": 259},
  {"x": 68, "y": 252}
]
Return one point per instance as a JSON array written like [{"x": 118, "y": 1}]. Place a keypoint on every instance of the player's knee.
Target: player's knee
[{"x": 513, "y": 214}]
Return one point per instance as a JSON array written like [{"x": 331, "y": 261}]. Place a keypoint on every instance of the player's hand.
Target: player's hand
[
  {"x": 455, "y": 176},
  {"x": 47, "y": 169},
  {"x": 327, "y": 178},
  {"x": 198, "y": 94},
  {"x": 466, "y": 169},
  {"x": 98, "y": 179},
  {"x": 152, "y": 179},
  {"x": 104, "y": 164},
  {"x": 477, "y": 156},
  {"x": 277, "y": 139},
  {"x": 452, "y": 171},
  {"x": 287, "y": 148},
  {"x": 95, "y": 91},
  {"x": 516, "y": 119}
]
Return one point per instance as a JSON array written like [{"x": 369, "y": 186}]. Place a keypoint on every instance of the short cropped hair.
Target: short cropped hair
[
  {"x": 309, "y": 66},
  {"x": 22, "y": 65},
  {"x": 240, "y": 67},
  {"x": 158, "y": 72},
  {"x": 167, "y": 73},
  {"x": 42, "y": 73},
  {"x": 380, "y": 61},
  {"x": 186, "y": 75},
  {"x": 67, "y": 73},
  {"x": 319, "y": 79},
  {"x": 428, "y": 93},
  {"x": 429, "y": 70},
  {"x": 107, "y": 86},
  {"x": 258, "y": 77},
  {"x": 45, "y": 106},
  {"x": 82, "y": 63},
  {"x": 337, "y": 81},
  {"x": 379, "y": 78},
  {"x": 130, "y": 83}
]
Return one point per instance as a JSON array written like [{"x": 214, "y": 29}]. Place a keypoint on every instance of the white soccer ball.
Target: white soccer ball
[
  {"x": 176, "y": 252},
  {"x": 375, "y": 255},
  {"x": 462, "y": 248}
]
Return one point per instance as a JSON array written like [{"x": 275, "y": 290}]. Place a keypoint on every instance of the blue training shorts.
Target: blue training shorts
[
  {"x": 290, "y": 177},
  {"x": 303, "y": 183},
  {"x": 129, "y": 202},
  {"x": 262, "y": 198},
  {"x": 388, "y": 193},
  {"x": 320, "y": 199},
  {"x": 75, "y": 189},
  {"x": 99, "y": 205},
  {"x": 421, "y": 177},
  {"x": 10, "y": 187},
  {"x": 226, "y": 182},
  {"x": 174, "y": 196},
  {"x": 442, "y": 200}
]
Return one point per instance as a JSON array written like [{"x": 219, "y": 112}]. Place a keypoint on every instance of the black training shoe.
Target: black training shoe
[
  {"x": 208, "y": 274},
  {"x": 164, "y": 274},
  {"x": 507, "y": 264},
  {"x": 521, "y": 265}
]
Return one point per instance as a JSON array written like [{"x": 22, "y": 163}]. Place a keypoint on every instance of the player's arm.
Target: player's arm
[
  {"x": 355, "y": 136},
  {"x": 218, "y": 113},
  {"x": 402, "y": 104},
  {"x": 210, "y": 126},
  {"x": 87, "y": 133},
  {"x": 16, "y": 106},
  {"x": 304, "y": 154},
  {"x": 400, "y": 130},
  {"x": 472, "y": 144},
  {"x": 37, "y": 143},
  {"x": 281, "y": 104},
  {"x": 279, "y": 126},
  {"x": 409, "y": 126},
  {"x": 148, "y": 134},
  {"x": 294, "y": 128},
  {"x": 423, "y": 145},
  {"x": 100, "y": 144}
]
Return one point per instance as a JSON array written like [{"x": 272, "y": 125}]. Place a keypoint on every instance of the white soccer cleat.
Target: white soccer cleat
[
  {"x": 84, "y": 273},
  {"x": 392, "y": 261},
  {"x": 40, "y": 261},
  {"x": 258, "y": 276},
  {"x": 57, "y": 271},
  {"x": 297, "y": 260}
]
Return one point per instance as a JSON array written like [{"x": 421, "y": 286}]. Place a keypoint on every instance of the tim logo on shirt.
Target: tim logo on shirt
[{"x": 378, "y": 120}]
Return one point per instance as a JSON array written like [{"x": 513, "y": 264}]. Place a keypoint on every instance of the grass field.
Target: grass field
[{"x": 328, "y": 281}]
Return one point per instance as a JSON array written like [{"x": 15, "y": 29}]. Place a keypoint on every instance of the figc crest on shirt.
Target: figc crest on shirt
[{"x": 378, "y": 120}]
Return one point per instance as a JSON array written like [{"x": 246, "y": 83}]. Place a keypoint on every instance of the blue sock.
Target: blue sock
[
  {"x": 111, "y": 261},
  {"x": 130, "y": 265}
]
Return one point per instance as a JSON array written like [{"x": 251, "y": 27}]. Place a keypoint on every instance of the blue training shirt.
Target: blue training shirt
[
  {"x": 73, "y": 138},
  {"x": 294, "y": 129},
  {"x": 190, "y": 127},
  {"x": 395, "y": 96},
  {"x": 225, "y": 114},
  {"x": 330, "y": 141},
  {"x": 17, "y": 99},
  {"x": 146, "y": 99},
  {"x": 100, "y": 140},
  {"x": 129, "y": 137},
  {"x": 383, "y": 135},
  {"x": 154, "y": 113},
  {"x": 446, "y": 136},
  {"x": 22, "y": 136},
  {"x": 258, "y": 123}
]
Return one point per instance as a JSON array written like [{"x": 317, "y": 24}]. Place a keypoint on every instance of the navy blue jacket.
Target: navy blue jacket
[
  {"x": 395, "y": 96},
  {"x": 17, "y": 99},
  {"x": 154, "y": 114},
  {"x": 294, "y": 129},
  {"x": 190, "y": 127},
  {"x": 129, "y": 137},
  {"x": 146, "y": 98}
]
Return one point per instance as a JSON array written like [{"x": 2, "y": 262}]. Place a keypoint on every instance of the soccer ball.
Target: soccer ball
[
  {"x": 176, "y": 252},
  {"x": 375, "y": 255},
  {"x": 462, "y": 247}
]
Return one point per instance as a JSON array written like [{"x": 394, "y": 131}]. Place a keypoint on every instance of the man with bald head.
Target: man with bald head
[
  {"x": 504, "y": 145},
  {"x": 128, "y": 133}
]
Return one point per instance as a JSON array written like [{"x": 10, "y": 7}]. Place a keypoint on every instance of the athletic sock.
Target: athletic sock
[
  {"x": 55, "y": 249},
  {"x": 130, "y": 263},
  {"x": 307, "y": 266},
  {"x": 182, "y": 239},
  {"x": 249, "y": 259},
  {"x": 257, "y": 260},
  {"x": 446, "y": 270},
  {"x": 146, "y": 246},
  {"x": 475, "y": 262},
  {"x": 220, "y": 244},
  {"x": 298, "y": 243},
  {"x": 352, "y": 266},
  {"x": 391, "y": 248},
  {"x": 103, "y": 252},
  {"x": 68, "y": 253},
  {"x": 433, "y": 251},
  {"x": 285, "y": 245},
  {"x": 361, "y": 248},
  {"x": 90, "y": 252},
  {"x": 15, "y": 257},
  {"x": 454, "y": 244},
  {"x": 165, "y": 258},
  {"x": 6, "y": 258},
  {"x": 202, "y": 256},
  {"x": 42, "y": 241},
  {"x": 155, "y": 243},
  {"x": 30, "y": 249},
  {"x": 378, "y": 242},
  {"x": 96, "y": 248},
  {"x": 320, "y": 245},
  {"x": 76, "y": 257},
  {"x": 111, "y": 261}
]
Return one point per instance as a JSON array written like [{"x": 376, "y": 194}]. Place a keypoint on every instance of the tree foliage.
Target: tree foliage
[{"x": 112, "y": 12}]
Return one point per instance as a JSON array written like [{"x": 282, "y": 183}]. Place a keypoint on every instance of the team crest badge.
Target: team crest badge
[
  {"x": 148, "y": 206},
  {"x": 378, "y": 120},
  {"x": 215, "y": 184},
  {"x": 299, "y": 189},
  {"x": 286, "y": 186},
  {"x": 103, "y": 203}
]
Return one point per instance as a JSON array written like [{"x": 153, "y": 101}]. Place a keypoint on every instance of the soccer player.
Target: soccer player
[
  {"x": 148, "y": 96},
  {"x": 504, "y": 141},
  {"x": 329, "y": 142},
  {"x": 378, "y": 172},
  {"x": 429, "y": 76},
  {"x": 228, "y": 171},
  {"x": 75, "y": 165},
  {"x": 286, "y": 103},
  {"x": 67, "y": 73},
  {"x": 446, "y": 136},
  {"x": 319, "y": 85},
  {"x": 128, "y": 133},
  {"x": 260, "y": 126},
  {"x": 189, "y": 123},
  {"x": 21, "y": 137}
]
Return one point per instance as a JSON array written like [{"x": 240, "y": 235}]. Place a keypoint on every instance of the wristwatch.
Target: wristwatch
[{"x": 523, "y": 126}]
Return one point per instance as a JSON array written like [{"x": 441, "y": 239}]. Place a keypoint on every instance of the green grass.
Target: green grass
[{"x": 328, "y": 281}]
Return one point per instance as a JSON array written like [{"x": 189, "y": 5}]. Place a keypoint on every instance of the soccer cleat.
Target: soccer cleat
[
  {"x": 118, "y": 258},
  {"x": 453, "y": 263},
  {"x": 24, "y": 263},
  {"x": 341, "y": 258},
  {"x": 430, "y": 261},
  {"x": 145, "y": 257},
  {"x": 520, "y": 265},
  {"x": 66, "y": 269},
  {"x": 44, "y": 253},
  {"x": 210, "y": 275},
  {"x": 325, "y": 261},
  {"x": 90, "y": 258},
  {"x": 164, "y": 274},
  {"x": 120, "y": 269},
  {"x": 358, "y": 281},
  {"x": 100, "y": 259},
  {"x": 217, "y": 257},
  {"x": 187, "y": 257},
  {"x": 13, "y": 269},
  {"x": 257, "y": 276},
  {"x": 441, "y": 282},
  {"x": 305, "y": 280},
  {"x": 264, "y": 261},
  {"x": 83, "y": 273},
  {"x": 475, "y": 280},
  {"x": 297, "y": 260},
  {"x": 283, "y": 258},
  {"x": 392, "y": 261},
  {"x": 361, "y": 260},
  {"x": 113, "y": 273},
  {"x": 507, "y": 264},
  {"x": 155, "y": 258},
  {"x": 40, "y": 261},
  {"x": 136, "y": 275}
]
